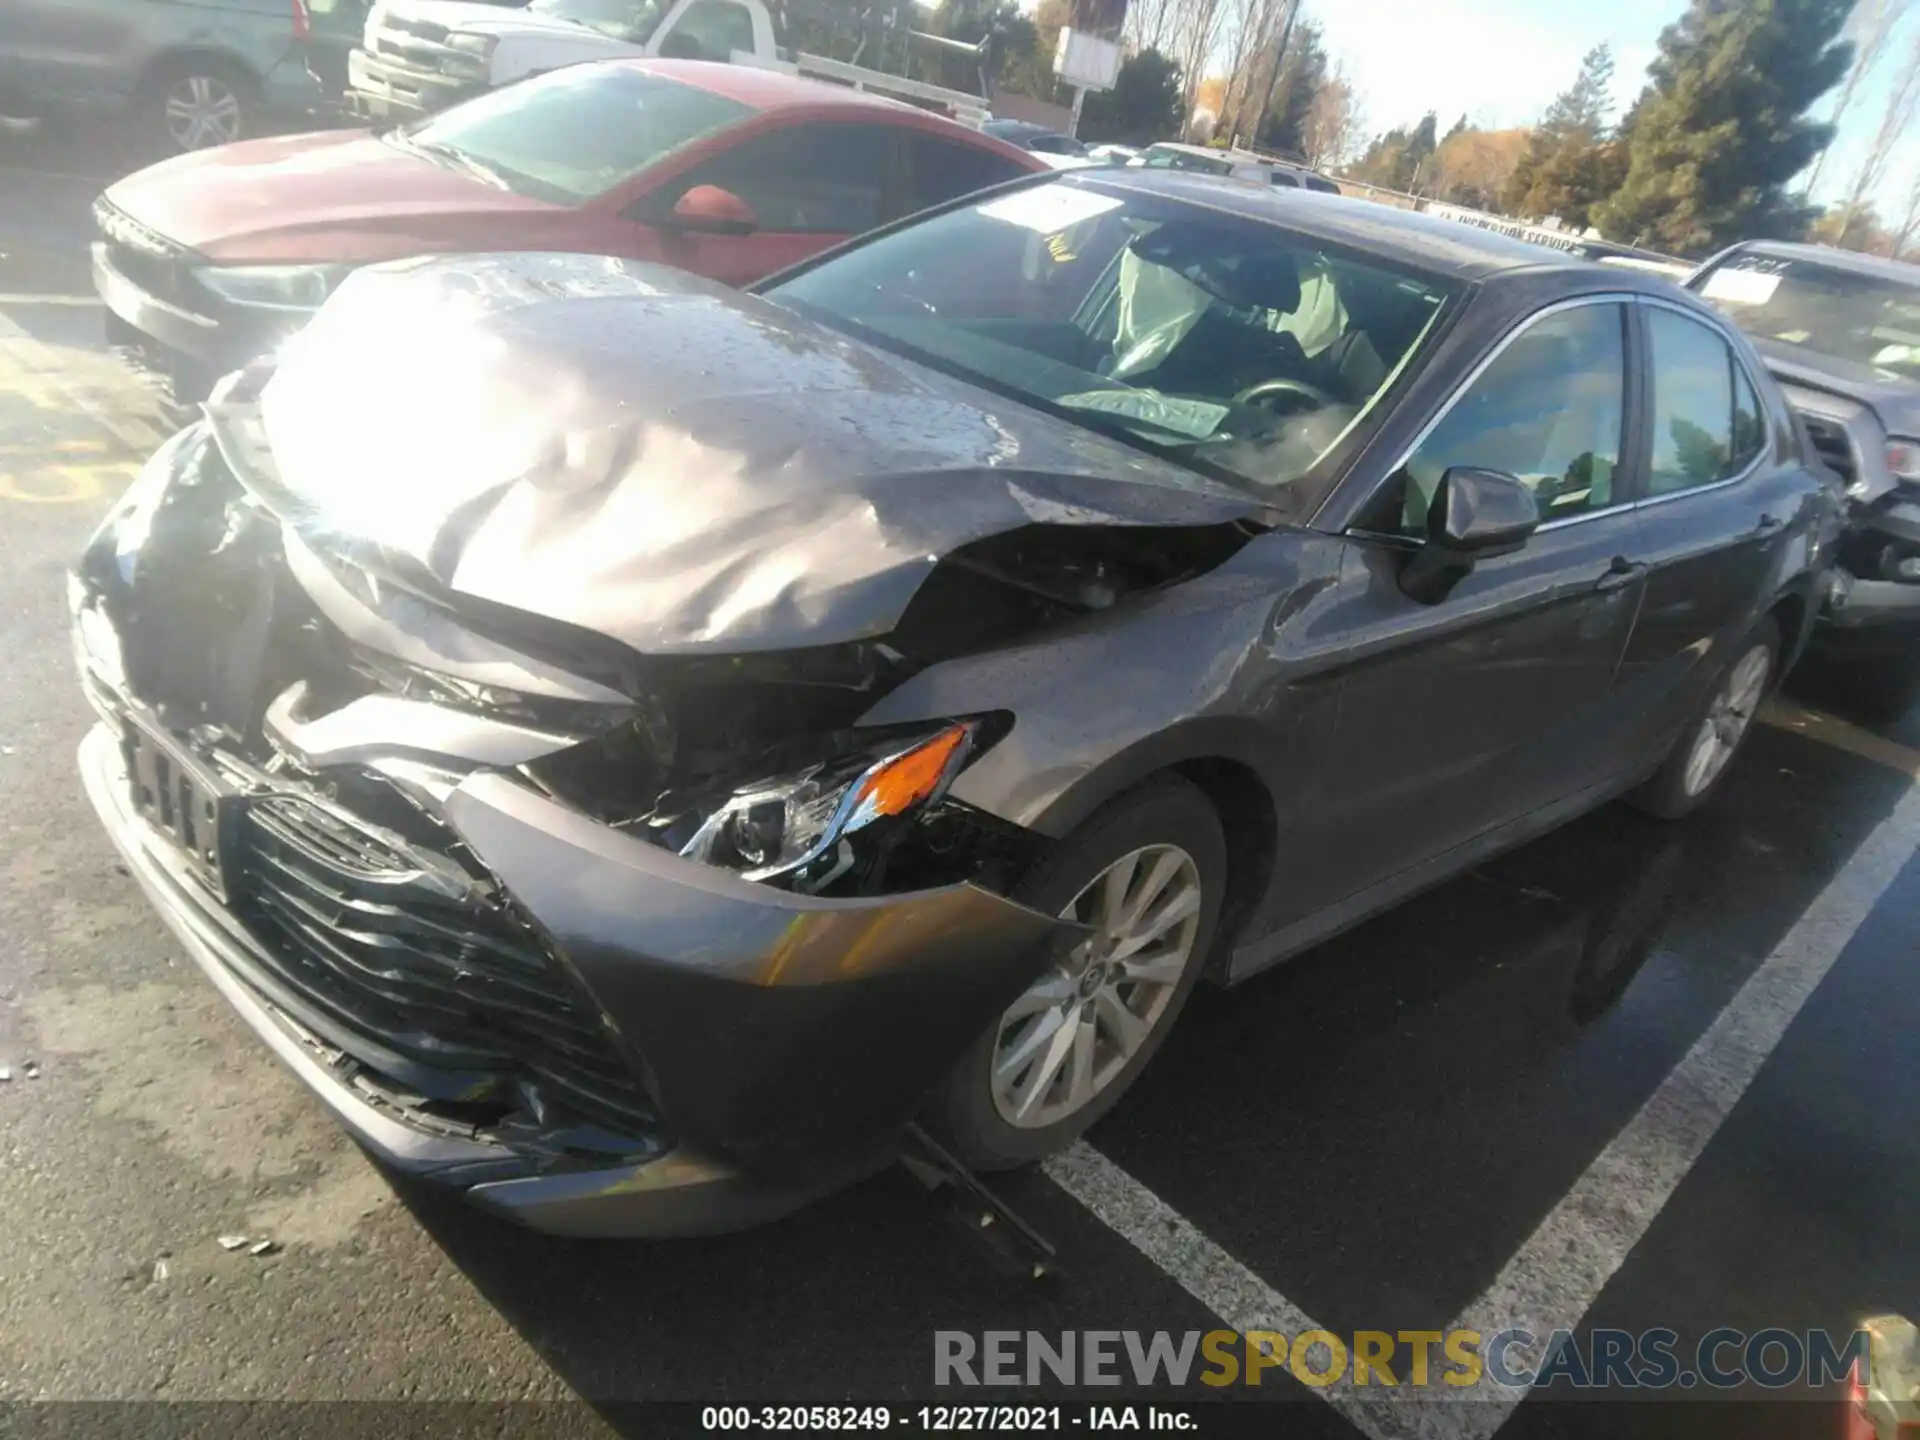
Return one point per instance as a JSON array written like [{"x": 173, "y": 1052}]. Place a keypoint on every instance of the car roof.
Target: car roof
[
  {"x": 764, "y": 89},
  {"x": 1834, "y": 257},
  {"x": 1238, "y": 157},
  {"x": 1423, "y": 242}
]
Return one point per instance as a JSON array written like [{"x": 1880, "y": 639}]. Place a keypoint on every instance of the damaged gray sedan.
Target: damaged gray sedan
[{"x": 636, "y": 748}]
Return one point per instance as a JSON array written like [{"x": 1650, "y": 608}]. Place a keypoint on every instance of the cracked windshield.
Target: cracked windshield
[{"x": 1244, "y": 346}]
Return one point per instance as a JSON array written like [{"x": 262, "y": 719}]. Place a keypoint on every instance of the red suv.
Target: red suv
[{"x": 725, "y": 170}]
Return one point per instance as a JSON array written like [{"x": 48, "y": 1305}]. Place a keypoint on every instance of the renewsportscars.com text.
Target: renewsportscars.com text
[{"x": 1460, "y": 1359}]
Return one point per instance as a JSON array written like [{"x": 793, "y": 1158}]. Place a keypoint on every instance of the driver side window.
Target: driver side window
[{"x": 1548, "y": 410}]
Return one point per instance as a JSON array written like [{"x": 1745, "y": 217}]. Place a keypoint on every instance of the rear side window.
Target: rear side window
[
  {"x": 1707, "y": 422},
  {"x": 807, "y": 179},
  {"x": 1205, "y": 164},
  {"x": 941, "y": 170},
  {"x": 710, "y": 30}
]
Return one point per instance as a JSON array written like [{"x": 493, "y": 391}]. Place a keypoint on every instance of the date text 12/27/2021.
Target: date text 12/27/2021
[{"x": 945, "y": 1419}]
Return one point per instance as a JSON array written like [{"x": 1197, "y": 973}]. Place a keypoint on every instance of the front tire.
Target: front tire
[
  {"x": 1706, "y": 747},
  {"x": 1148, "y": 874}
]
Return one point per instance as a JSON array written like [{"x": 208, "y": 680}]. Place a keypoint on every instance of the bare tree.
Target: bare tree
[
  {"x": 1334, "y": 122},
  {"x": 1150, "y": 23},
  {"x": 1194, "y": 29},
  {"x": 1896, "y": 124},
  {"x": 1906, "y": 237},
  {"x": 1869, "y": 27},
  {"x": 1274, "y": 22}
]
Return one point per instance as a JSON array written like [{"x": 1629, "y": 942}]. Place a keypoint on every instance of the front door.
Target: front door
[
  {"x": 809, "y": 186},
  {"x": 1496, "y": 702}
]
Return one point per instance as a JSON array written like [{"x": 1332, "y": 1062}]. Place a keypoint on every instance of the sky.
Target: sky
[{"x": 1501, "y": 62}]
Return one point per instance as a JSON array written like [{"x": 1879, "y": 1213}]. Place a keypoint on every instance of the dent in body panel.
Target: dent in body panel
[
  {"x": 678, "y": 467},
  {"x": 1231, "y": 665},
  {"x": 776, "y": 1030}
]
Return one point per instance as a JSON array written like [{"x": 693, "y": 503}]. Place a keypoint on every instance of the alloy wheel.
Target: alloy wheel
[
  {"x": 1076, "y": 1028},
  {"x": 1727, "y": 719},
  {"x": 202, "y": 111}
]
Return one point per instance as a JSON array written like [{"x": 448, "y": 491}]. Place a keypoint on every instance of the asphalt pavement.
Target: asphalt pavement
[{"x": 1630, "y": 1076}]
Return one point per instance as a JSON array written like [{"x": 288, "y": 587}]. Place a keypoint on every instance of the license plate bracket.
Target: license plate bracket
[{"x": 183, "y": 800}]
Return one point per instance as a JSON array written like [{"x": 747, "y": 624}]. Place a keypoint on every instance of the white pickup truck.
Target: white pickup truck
[{"x": 421, "y": 55}]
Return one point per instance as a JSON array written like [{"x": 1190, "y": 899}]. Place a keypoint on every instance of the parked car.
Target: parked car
[
  {"x": 339, "y": 26},
  {"x": 206, "y": 261},
  {"x": 1241, "y": 164},
  {"x": 189, "y": 73},
  {"x": 1113, "y": 154},
  {"x": 631, "y": 745},
  {"x": 1841, "y": 332},
  {"x": 423, "y": 55},
  {"x": 1029, "y": 136}
]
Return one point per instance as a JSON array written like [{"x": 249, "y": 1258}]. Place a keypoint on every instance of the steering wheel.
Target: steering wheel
[{"x": 1298, "y": 389}]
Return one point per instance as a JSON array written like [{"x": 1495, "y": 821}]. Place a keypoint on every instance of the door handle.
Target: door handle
[
  {"x": 1769, "y": 525},
  {"x": 1621, "y": 572}
]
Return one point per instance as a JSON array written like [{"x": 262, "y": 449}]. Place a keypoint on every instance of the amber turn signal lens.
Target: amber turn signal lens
[{"x": 906, "y": 780}]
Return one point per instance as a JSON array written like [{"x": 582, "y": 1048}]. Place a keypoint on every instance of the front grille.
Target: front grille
[
  {"x": 418, "y": 29},
  {"x": 156, "y": 264},
  {"x": 404, "y": 945},
  {"x": 1832, "y": 444},
  {"x": 420, "y": 57}
]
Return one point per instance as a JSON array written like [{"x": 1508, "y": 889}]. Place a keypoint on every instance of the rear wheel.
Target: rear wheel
[
  {"x": 196, "y": 103},
  {"x": 1146, "y": 875},
  {"x": 1707, "y": 746}
]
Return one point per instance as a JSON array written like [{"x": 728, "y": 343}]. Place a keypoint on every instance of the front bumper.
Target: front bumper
[
  {"x": 786, "y": 1039},
  {"x": 380, "y": 89},
  {"x": 1866, "y": 603},
  {"x": 186, "y": 343}
]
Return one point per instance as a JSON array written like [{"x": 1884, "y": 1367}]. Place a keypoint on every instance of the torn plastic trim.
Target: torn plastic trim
[
  {"x": 379, "y": 727},
  {"x": 778, "y": 1030},
  {"x": 375, "y": 1111}
]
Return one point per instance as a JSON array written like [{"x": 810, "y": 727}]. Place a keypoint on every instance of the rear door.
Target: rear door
[
  {"x": 1720, "y": 491},
  {"x": 1497, "y": 702},
  {"x": 73, "y": 52},
  {"x": 810, "y": 185}
]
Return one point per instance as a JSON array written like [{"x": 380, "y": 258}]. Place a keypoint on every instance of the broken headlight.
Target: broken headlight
[
  {"x": 809, "y": 826},
  {"x": 300, "y": 288},
  {"x": 1903, "y": 459}
]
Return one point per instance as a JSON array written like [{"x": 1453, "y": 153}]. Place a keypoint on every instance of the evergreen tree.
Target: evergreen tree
[
  {"x": 1580, "y": 112},
  {"x": 1545, "y": 182},
  {"x": 1417, "y": 157},
  {"x": 1143, "y": 106},
  {"x": 1722, "y": 127}
]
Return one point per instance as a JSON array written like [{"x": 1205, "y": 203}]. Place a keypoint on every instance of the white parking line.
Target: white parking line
[{"x": 1553, "y": 1279}]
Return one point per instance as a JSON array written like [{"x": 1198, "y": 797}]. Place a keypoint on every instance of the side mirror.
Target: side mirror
[
  {"x": 709, "y": 210},
  {"x": 1475, "y": 515}
]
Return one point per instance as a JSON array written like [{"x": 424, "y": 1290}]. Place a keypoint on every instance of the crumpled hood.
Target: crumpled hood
[
  {"x": 642, "y": 453},
  {"x": 1896, "y": 402}
]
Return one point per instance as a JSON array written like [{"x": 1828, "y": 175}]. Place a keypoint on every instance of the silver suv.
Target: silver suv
[{"x": 192, "y": 73}]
